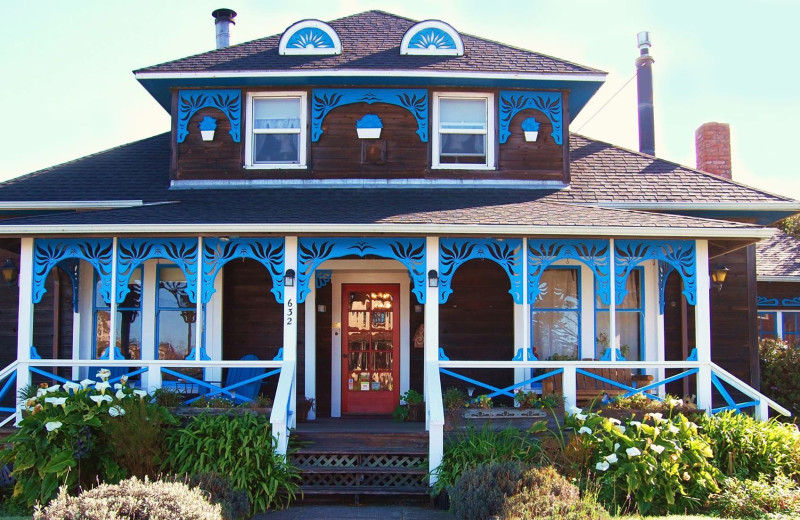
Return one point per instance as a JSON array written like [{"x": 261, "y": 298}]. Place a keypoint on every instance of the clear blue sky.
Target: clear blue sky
[{"x": 68, "y": 91}]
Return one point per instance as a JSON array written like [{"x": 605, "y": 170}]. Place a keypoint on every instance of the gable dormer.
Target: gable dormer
[{"x": 371, "y": 99}]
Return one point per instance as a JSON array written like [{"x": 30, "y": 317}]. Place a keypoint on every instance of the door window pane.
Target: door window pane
[
  {"x": 128, "y": 334},
  {"x": 556, "y": 315},
  {"x": 630, "y": 320}
]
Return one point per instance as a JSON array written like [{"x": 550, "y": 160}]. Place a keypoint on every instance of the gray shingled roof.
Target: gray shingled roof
[
  {"x": 778, "y": 256},
  {"x": 371, "y": 40}
]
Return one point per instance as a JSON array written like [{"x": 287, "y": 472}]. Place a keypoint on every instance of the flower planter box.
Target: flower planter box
[
  {"x": 531, "y": 136},
  {"x": 369, "y": 133},
  {"x": 192, "y": 411},
  {"x": 208, "y": 135},
  {"x": 495, "y": 418}
]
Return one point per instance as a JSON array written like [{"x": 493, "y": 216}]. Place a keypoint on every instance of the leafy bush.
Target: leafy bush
[
  {"x": 529, "y": 504},
  {"x": 241, "y": 447},
  {"x": 660, "y": 465},
  {"x": 168, "y": 397},
  {"x": 473, "y": 448},
  {"x": 480, "y": 492},
  {"x": 62, "y": 438},
  {"x": 234, "y": 502},
  {"x": 748, "y": 448},
  {"x": 757, "y": 498},
  {"x": 411, "y": 396},
  {"x": 780, "y": 378},
  {"x": 135, "y": 499},
  {"x": 454, "y": 399}
]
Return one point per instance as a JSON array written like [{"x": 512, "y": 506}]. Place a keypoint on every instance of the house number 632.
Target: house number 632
[{"x": 289, "y": 312}]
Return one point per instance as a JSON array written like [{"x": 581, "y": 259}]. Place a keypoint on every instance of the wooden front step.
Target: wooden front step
[{"x": 361, "y": 463}]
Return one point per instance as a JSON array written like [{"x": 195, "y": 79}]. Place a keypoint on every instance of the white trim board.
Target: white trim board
[{"x": 392, "y": 73}]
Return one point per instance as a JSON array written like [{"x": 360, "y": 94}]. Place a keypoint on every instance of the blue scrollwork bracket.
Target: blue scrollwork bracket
[
  {"x": 228, "y": 101},
  {"x": 678, "y": 254},
  {"x": 269, "y": 252},
  {"x": 47, "y": 253},
  {"x": 791, "y": 302},
  {"x": 594, "y": 253},
  {"x": 323, "y": 278},
  {"x": 326, "y": 99},
  {"x": 764, "y": 301},
  {"x": 664, "y": 270},
  {"x": 314, "y": 251},
  {"x": 132, "y": 252},
  {"x": 513, "y": 102},
  {"x": 455, "y": 251}
]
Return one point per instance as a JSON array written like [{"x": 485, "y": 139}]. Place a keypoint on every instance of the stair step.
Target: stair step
[
  {"x": 345, "y": 450},
  {"x": 365, "y": 490},
  {"x": 361, "y": 469}
]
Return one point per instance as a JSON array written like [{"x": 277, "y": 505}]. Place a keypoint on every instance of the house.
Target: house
[
  {"x": 328, "y": 193},
  {"x": 778, "y": 289}
]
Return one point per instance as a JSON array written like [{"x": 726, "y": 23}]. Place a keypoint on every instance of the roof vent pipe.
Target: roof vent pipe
[
  {"x": 223, "y": 21},
  {"x": 644, "y": 90}
]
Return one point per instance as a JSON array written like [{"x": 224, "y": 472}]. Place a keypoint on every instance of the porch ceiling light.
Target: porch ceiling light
[
  {"x": 10, "y": 272},
  {"x": 718, "y": 275},
  {"x": 288, "y": 278},
  {"x": 433, "y": 278}
]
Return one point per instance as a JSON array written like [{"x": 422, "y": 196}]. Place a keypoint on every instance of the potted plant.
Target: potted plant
[
  {"x": 454, "y": 401},
  {"x": 304, "y": 407},
  {"x": 531, "y": 128},
  {"x": 369, "y": 127},
  {"x": 416, "y": 405},
  {"x": 207, "y": 127}
]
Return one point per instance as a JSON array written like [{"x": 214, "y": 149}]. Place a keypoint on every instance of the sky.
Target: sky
[{"x": 67, "y": 89}]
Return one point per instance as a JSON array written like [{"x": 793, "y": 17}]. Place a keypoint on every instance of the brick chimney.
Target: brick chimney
[{"x": 713, "y": 145}]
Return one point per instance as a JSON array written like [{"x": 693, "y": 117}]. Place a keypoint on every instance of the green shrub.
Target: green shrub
[
  {"x": 473, "y": 448},
  {"x": 529, "y": 504},
  {"x": 234, "y": 502},
  {"x": 780, "y": 378},
  {"x": 62, "y": 441},
  {"x": 748, "y": 448},
  {"x": 168, "y": 396},
  {"x": 659, "y": 465},
  {"x": 757, "y": 498},
  {"x": 240, "y": 447},
  {"x": 135, "y": 499},
  {"x": 480, "y": 492},
  {"x": 454, "y": 399}
]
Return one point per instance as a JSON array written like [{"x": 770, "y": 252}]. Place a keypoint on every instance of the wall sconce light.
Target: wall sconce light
[
  {"x": 718, "y": 275},
  {"x": 418, "y": 308},
  {"x": 321, "y": 309},
  {"x": 288, "y": 278},
  {"x": 433, "y": 278},
  {"x": 470, "y": 390},
  {"x": 10, "y": 272}
]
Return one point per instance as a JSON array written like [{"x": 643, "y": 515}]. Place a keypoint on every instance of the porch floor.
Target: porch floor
[{"x": 361, "y": 424}]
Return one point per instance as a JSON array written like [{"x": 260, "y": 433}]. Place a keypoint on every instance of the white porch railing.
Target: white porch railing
[{"x": 568, "y": 371}]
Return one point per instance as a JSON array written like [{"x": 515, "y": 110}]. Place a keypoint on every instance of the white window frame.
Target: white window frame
[
  {"x": 490, "y": 131},
  {"x": 302, "y": 131}
]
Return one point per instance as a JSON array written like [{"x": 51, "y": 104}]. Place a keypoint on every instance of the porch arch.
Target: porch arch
[
  {"x": 507, "y": 253},
  {"x": 64, "y": 253},
  {"x": 678, "y": 255},
  {"x": 313, "y": 251},
  {"x": 594, "y": 253},
  {"x": 132, "y": 252},
  {"x": 269, "y": 252}
]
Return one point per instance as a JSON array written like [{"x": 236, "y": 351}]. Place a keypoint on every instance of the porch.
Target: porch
[{"x": 527, "y": 292}]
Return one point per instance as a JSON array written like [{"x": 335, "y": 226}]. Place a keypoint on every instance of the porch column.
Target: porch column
[
  {"x": 112, "y": 311},
  {"x": 612, "y": 305},
  {"x": 198, "y": 322},
  {"x": 25, "y": 316},
  {"x": 290, "y": 317},
  {"x": 522, "y": 320},
  {"x": 702, "y": 327},
  {"x": 310, "y": 349},
  {"x": 436, "y": 432}
]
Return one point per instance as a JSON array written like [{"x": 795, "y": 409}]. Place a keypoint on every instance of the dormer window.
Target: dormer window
[
  {"x": 464, "y": 134},
  {"x": 276, "y": 127}
]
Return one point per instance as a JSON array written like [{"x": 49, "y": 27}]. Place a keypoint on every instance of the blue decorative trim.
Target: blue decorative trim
[
  {"x": 71, "y": 266},
  {"x": 664, "y": 270},
  {"x": 763, "y": 301},
  {"x": 48, "y": 253},
  {"x": 279, "y": 355},
  {"x": 323, "y": 277},
  {"x": 442, "y": 355},
  {"x": 314, "y": 251},
  {"x": 134, "y": 251},
  {"x": 791, "y": 302},
  {"x": 228, "y": 101},
  {"x": 269, "y": 252},
  {"x": 310, "y": 37},
  {"x": 607, "y": 355},
  {"x": 432, "y": 38},
  {"x": 35, "y": 353},
  {"x": 692, "y": 355},
  {"x": 594, "y": 253},
  {"x": 513, "y": 102},
  {"x": 455, "y": 251},
  {"x": 326, "y": 99},
  {"x": 192, "y": 353},
  {"x": 680, "y": 254}
]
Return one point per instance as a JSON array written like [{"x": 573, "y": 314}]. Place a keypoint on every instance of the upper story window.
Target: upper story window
[
  {"x": 463, "y": 136},
  {"x": 276, "y": 130}
]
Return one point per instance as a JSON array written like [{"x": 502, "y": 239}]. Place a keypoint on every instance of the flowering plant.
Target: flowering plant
[
  {"x": 481, "y": 401},
  {"x": 659, "y": 464}
]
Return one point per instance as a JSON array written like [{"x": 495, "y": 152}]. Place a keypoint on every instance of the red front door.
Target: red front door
[{"x": 370, "y": 353}]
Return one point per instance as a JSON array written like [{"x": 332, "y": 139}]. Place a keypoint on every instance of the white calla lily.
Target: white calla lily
[
  {"x": 633, "y": 452},
  {"x": 574, "y": 409},
  {"x": 56, "y": 401},
  {"x": 602, "y": 466},
  {"x": 86, "y": 383},
  {"x": 586, "y": 430},
  {"x": 102, "y": 387},
  {"x": 657, "y": 448},
  {"x": 116, "y": 411},
  {"x": 53, "y": 425},
  {"x": 141, "y": 393},
  {"x": 612, "y": 459},
  {"x": 103, "y": 374}
]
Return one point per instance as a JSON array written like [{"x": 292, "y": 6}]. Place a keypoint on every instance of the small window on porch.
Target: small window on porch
[
  {"x": 767, "y": 325},
  {"x": 629, "y": 324},
  {"x": 129, "y": 320},
  {"x": 791, "y": 328},
  {"x": 556, "y": 315},
  {"x": 176, "y": 315}
]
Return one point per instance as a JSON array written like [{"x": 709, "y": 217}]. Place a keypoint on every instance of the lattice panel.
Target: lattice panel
[
  {"x": 404, "y": 480},
  {"x": 393, "y": 461},
  {"x": 331, "y": 479},
  {"x": 319, "y": 460}
]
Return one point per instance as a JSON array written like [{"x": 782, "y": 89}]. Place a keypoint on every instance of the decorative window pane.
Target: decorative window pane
[
  {"x": 629, "y": 324},
  {"x": 277, "y": 131},
  {"x": 277, "y": 113},
  {"x": 276, "y": 148},
  {"x": 556, "y": 315},
  {"x": 464, "y": 127},
  {"x": 128, "y": 332},
  {"x": 462, "y": 114},
  {"x": 767, "y": 325}
]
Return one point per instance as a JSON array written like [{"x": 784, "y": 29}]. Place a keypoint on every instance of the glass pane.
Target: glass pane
[
  {"x": 558, "y": 289},
  {"x": 462, "y": 114},
  {"x": 555, "y": 333},
  {"x": 358, "y": 360},
  {"x": 383, "y": 361},
  {"x": 128, "y": 337},
  {"x": 176, "y": 336},
  {"x": 792, "y": 339},
  {"x": 767, "y": 324},
  {"x": 132, "y": 300},
  {"x": 276, "y": 113},
  {"x": 628, "y": 334},
  {"x": 276, "y": 148},
  {"x": 633, "y": 300},
  {"x": 172, "y": 289},
  {"x": 463, "y": 144},
  {"x": 789, "y": 322}
]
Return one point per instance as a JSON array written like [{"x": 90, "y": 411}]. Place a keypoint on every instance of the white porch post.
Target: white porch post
[
  {"x": 612, "y": 305},
  {"x": 310, "y": 349},
  {"x": 198, "y": 322},
  {"x": 290, "y": 318},
  {"x": 522, "y": 321},
  {"x": 435, "y": 431},
  {"x": 112, "y": 311},
  {"x": 25, "y": 316},
  {"x": 702, "y": 320}
]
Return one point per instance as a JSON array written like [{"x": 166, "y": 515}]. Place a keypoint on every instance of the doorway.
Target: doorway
[{"x": 370, "y": 348}]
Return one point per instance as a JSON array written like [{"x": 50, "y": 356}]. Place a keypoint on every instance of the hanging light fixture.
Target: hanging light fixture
[
  {"x": 10, "y": 272},
  {"x": 718, "y": 275},
  {"x": 288, "y": 278},
  {"x": 433, "y": 278}
]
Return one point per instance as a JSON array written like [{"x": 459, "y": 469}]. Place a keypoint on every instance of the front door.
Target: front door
[{"x": 370, "y": 353}]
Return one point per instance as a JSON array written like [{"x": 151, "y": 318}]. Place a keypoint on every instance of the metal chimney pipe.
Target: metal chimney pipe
[
  {"x": 223, "y": 21},
  {"x": 644, "y": 90}
]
